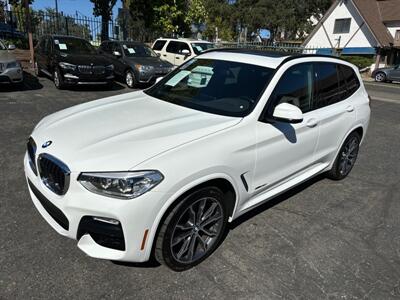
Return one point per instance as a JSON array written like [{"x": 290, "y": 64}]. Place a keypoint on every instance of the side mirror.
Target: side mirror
[
  {"x": 158, "y": 79},
  {"x": 11, "y": 47},
  {"x": 158, "y": 54},
  {"x": 288, "y": 113},
  {"x": 117, "y": 54},
  {"x": 185, "y": 52}
]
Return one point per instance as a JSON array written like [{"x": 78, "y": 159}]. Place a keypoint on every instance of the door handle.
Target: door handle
[
  {"x": 312, "y": 123},
  {"x": 350, "y": 108},
  {"x": 177, "y": 57},
  {"x": 164, "y": 55}
]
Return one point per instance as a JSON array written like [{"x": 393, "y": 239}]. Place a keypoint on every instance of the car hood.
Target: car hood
[
  {"x": 6, "y": 56},
  {"x": 84, "y": 59},
  {"x": 148, "y": 61},
  {"x": 120, "y": 132}
]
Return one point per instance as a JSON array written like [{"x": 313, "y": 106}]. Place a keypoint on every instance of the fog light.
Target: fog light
[{"x": 106, "y": 220}]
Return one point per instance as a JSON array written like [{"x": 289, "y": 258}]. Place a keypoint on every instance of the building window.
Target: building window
[{"x": 342, "y": 26}]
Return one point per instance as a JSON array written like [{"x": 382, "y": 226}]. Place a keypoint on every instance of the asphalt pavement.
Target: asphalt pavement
[{"x": 322, "y": 240}]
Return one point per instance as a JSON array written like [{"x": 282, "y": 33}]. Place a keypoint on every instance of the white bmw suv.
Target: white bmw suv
[{"x": 163, "y": 171}]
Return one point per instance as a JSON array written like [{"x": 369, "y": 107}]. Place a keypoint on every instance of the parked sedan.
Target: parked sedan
[
  {"x": 72, "y": 61},
  {"x": 10, "y": 68},
  {"x": 387, "y": 74},
  {"x": 135, "y": 62}
]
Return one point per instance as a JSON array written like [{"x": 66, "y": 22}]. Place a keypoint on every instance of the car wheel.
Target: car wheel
[
  {"x": 38, "y": 73},
  {"x": 130, "y": 79},
  {"x": 380, "y": 77},
  {"x": 346, "y": 157},
  {"x": 192, "y": 230},
  {"x": 58, "y": 80}
]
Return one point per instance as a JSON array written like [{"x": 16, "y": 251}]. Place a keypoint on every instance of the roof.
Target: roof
[
  {"x": 375, "y": 13},
  {"x": 268, "y": 59},
  {"x": 369, "y": 11},
  {"x": 184, "y": 40}
]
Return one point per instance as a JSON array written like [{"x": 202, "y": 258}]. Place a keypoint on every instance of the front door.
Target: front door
[{"x": 284, "y": 149}]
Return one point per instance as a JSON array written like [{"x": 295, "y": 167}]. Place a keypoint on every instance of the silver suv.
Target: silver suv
[{"x": 10, "y": 68}]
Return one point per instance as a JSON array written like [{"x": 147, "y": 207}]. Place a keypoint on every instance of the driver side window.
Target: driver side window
[{"x": 296, "y": 87}]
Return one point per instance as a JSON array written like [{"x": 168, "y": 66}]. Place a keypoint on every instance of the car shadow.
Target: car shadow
[
  {"x": 152, "y": 263},
  {"x": 30, "y": 83}
]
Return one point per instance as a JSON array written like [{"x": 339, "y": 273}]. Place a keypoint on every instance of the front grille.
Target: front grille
[
  {"x": 54, "y": 173},
  {"x": 91, "y": 70},
  {"x": 51, "y": 209},
  {"x": 31, "y": 148},
  {"x": 162, "y": 70}
]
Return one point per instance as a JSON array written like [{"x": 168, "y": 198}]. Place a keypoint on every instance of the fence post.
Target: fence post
[{"x": 66, "y": 25}]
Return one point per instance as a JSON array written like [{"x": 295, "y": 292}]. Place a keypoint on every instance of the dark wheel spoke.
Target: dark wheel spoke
[
  {"x": 209, "y": 212},
  {"x": 192, "y": 245},
  {"x": 202, "y": 243},
  {"x": 184, "y": 248},
  {"x": 208, "y": 232},
  {"x": 180, "y": 238},
  {"x": 211, "y": 220}
]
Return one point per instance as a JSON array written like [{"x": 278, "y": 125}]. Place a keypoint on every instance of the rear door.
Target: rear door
[{"x": 336, "y": 86}]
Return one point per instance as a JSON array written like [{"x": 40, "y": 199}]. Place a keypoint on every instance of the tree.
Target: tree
[
  {"x": 196, "y": 12},
  {"x": 169, "y": 17},
  {"x": 103, "y": 8}
]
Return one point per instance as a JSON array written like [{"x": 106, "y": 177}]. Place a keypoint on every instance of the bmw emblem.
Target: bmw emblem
[{"x": 46, "y": 144}]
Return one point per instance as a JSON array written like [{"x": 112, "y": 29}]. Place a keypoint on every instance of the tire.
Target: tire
[
  {"x": 38, "y": 73},
  {"x": 58, "y": 80},
  {"x": 130, "y": 79},
  {"x": 183, "y": 231},
  {"x": 346, "y": 157},
  {"x": 380, "y": 77}
]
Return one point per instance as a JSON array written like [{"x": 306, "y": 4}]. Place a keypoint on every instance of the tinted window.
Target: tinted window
[
  {"x": 105, "y": 47},
  {"x": 296, "y": 87},
  {"x": 159, "y": 45},
  {"x": 329, "y": 90},
  {"x": 73, "y": 46},
  {"x": 177, "y": 47},
  {"x": 351, "y": 79},
  {"x": 215, "y": 86},
  {"x": 342, "y": 26},
  {"x": 137, "y": 50}
]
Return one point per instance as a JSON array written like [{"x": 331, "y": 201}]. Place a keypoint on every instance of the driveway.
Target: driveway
[{"x": 322, "y": 240}]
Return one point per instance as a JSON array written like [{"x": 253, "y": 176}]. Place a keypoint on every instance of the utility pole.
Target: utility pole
[
  {"x": 56, "y": 15},
  {"x": 29, "y": 29}
]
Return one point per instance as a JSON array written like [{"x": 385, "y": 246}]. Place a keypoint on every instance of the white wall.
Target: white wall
[
  {"x": 393, "y": 27},
  {"x": 346, "y": 9}
]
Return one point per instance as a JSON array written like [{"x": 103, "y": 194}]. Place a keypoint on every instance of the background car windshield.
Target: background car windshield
[
  {"x": 200, "y": 47},
  {"x": 138, "y": 51},
  {"x": 215, "y": 86},
  {"x": 74, "y": 46},
  {"x": 2, "y": 46}
]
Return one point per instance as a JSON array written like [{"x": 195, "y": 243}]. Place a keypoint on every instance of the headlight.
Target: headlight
[
  {"x": 142, "y": 68},
  {"x": 110, "y": 67},
  {"x": 123, "y": 185},
  {"x": 67, "y": 66},
  {"x": 14, "y": 64}
]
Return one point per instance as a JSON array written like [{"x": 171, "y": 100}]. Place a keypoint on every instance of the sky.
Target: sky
[{"x": 70, "y": 7}]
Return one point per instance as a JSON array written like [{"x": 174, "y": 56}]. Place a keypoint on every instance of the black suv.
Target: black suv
[
  {"x": 135, "y": 62},
  {"x": 71, "y": 60}
]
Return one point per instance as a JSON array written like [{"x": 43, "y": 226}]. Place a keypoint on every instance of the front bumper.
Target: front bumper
[
  {"x": 12, "y": 75},
  {"x": 76, "y": 79},
  {"x": 136, "y": 216}
]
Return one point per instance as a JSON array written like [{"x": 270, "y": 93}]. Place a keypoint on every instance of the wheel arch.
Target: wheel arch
[{"x": 222, "y": 181}]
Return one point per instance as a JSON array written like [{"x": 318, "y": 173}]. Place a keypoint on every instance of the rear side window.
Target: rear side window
[
  {"x": 330, "y": 88},
  {"x": 177, "y": 47},
  {"x": 350, "y": 77},
  {"x": 296, "y": 87},
  {"x": 158, "y": 45}
]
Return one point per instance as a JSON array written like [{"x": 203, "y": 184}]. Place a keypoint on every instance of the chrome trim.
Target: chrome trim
[
  {"x": 64, "y": 168},
  {"x": 92, "y": 83}
]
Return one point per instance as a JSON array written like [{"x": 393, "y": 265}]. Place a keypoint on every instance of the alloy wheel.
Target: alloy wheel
[
  {"x": 380, "y": 77},
  {"x": 56, "y": 79},
  {"x": 129, "y": 79},
  {"x": 348, "y": 156},
  {"x": 197, "y": 229}
]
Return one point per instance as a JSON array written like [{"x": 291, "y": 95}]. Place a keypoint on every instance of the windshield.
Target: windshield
[
  {"x": 132, "y": 50},
  {"x": 2, "y": 46},
  {"x": 215, "y": 86},
  {"x": 73, "y": 46},
  {"x": 200, "y": 47}
]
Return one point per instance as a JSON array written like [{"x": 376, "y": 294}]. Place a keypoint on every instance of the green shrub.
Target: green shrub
[{"x": 360, "y": 61}]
